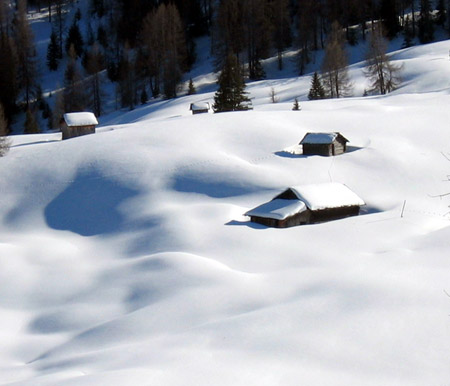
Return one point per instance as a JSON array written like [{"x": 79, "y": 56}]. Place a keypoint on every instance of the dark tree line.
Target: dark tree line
[{"x": 146, "y": 46}]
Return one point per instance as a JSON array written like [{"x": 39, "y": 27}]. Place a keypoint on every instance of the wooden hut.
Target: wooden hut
[
  {"x": 200, "y": 107},
  {"x": 77, "y": 124},
  {"x": 326, "y": 144},
  {"x": 307, "y": 204}
]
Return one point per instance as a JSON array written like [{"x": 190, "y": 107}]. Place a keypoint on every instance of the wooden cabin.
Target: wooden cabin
[
  {"x": 307, "y": 204},
  {"x": 200, "y": 107},
  {"x": 77, "y": 124},
  {"x": 327, "y": 144}
]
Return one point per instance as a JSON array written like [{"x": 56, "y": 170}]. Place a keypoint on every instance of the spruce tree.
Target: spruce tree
[
  {"x": 231, "y": 95},
  {"x": 191, "y": 87},
  {"x": 75, "y": 39},
  {"x": 53, "y": 52},
  {"x": 296, "y": 106},
  {"x": 316, "y": 91}
]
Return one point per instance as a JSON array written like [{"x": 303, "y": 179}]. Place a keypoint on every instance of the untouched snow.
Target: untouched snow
[
  {"x": 126, "y": 259},
  {"x": 80, "y": 119},
  {"x": 327, "y": 195}
]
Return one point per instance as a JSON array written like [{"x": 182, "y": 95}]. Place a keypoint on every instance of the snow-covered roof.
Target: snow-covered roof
[
  {"x": 327, "y": 196},
  {"x": 80, "y": 119},
  {"x": 200, "y": 106},
  {"x": 278, "y": 209},
  {"x": 320, "y": 138}
]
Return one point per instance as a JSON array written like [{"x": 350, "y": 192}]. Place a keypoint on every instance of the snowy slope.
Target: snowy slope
[{"x": 126, "y": 258}]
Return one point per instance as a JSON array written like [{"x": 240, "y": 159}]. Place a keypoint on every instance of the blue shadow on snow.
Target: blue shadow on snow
[{"x": 89, "y": 206}]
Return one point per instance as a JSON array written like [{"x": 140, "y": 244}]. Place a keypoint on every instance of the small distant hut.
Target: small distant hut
[
  {"x": 307, "y": 204},
  {"x": 77, "y": 124},
  {"x": 200, "y": 107},
  {"x": 327, "y": 144}
]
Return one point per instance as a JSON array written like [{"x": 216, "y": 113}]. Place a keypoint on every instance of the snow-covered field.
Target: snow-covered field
[{"x": 126, "y": 259}]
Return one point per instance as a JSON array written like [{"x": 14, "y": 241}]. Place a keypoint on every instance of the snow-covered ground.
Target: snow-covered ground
[{"x": 127, "y": 260}]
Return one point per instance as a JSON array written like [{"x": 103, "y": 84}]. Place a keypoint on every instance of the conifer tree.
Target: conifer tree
[
  {"x": 389, "y": 16},
  {"x": 191, "y": 87},
  {"x": 9, "y": 89},
  {"x": 296, "y": 106},
  {"x": 26, "y": 53},
  {"x": 335, "y": 78},
  {"x": 75, "y": 39},
  {"x": 165, "y": 49},
  {"x": 231, "y": 95},
  {"x": 281, "y": 28},
  {"x": 257, "y": 35},
  {"x": 31, "y": 125},
  {"x": 94, "y": 64},
  {"x": 441, "y": 13},
  {"x": 127, "y": 79},
  {"x": 316, "y": 91},
  {"x": 384, "y": 75},
  {"x": 407, "y": 33},
  {"x": 53, "y": 52},
  {"x": 75, "y": 98},
  {"x": 426, "y": 27},
  {"x": 58, "y": 111},
  {"x": 144, "y": 96}
]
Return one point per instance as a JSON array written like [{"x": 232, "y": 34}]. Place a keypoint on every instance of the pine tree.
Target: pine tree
[
  {"x": 191, "y": 87},
  {"x": 316, "y": 91},
  {"x": 384, "y": 75},
  {"x": 335, "y": 78},
  {"x": 53, "y": 52},
  {"x": 231, "y": 95},
  {"x": 75, "y": 39},
  {"x": 296, "y": 106}
]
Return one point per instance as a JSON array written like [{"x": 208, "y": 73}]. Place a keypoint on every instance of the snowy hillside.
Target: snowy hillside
[{"x": 126, "y": 258}]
